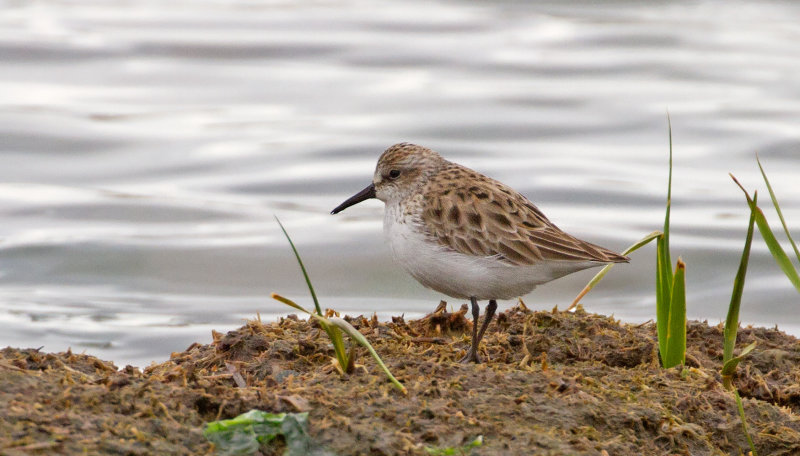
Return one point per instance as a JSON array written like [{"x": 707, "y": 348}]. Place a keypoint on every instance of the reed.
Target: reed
[
  {"x": 670, "y": 286},
  {"x": 670, "y": 289},
  {"x": 334, "y": 326},
  {"x": 730, "y": 362},
  {"x": 599, "y": 276},
  {"x": 777, "y": 208},
  {"x": 780, "y": 256},
  {"x": 757, "y": 218}
]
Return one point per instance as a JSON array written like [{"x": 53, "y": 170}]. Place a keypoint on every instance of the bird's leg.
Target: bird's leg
[
  {"x": 490, "y": 309},
  {"x": 472, "y": 354}
]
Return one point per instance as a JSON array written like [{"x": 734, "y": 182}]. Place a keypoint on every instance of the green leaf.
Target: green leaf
[
  {"x": 302, "y": 267},
  {"x": 676, "y": 329},
  {"x": 342, "y": 355},
  {"x": 667, "y": 258},
  {"x": 730, "y": 365},
  {"x": 333, "y": 326},
  {"x": 599, "y": 276},
  {"x": 744, "y": 423},
  {"x": 244, "y": 434},
  {"x": 772, "y": 243},
  {"x": 289, "y": 303},
  {"x": 663, "y": 296},
  {"x": 732, "y": 320},
  {"x": 334, "y": 334},
  {"x": 776, "y": 250},
  {"x": 778, "y": 208},
  {"x": 358, "y": 337},
  {"x": 664, "y": 277}
]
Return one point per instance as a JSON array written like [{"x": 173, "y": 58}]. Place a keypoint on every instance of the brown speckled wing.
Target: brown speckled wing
[{"x": 491, "y": 219}]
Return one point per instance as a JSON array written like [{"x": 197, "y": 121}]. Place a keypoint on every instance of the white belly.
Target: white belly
[{"x": 463, "y": 276}]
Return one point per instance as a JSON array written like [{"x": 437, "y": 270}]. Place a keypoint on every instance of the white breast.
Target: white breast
[{"x": 459, "y": 275}]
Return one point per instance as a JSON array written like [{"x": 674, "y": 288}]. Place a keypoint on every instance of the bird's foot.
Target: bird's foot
[{"x": 471, "y": 357}]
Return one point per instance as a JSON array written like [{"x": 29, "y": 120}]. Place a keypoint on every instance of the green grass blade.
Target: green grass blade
[
  {"x": 676, "y": 329},
  {"x": 744, "y": 423},
  {"x": 599, "y": 276},
  {"x": 729, "y": 366},
  {"x": 663, "y": 297},
  {"x": 342, "y": 355},
  {"x": 333, "y": 334},
  {"x": 777, "y": 251},
  {"x": 732, "y": 320},
  {"x": 746, "y": 195},
  {"x": 289, "y": 303},
  {"x": 358, "y": 337},
  {"x": 778, "y": 208},
  {"x": 333, "y": 326},
  {"x": 669, "y": 202},
  {"x": 302, "y": 267},
  {"x": 664, "y": 277},
  {"x": 772, "y": 243}
]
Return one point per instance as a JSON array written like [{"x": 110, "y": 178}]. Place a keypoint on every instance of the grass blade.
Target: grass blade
[
  {"x": 334, "y": 327},
  {"x": 729, "y": 366},
  {"x": 289, "y": 302},
  {"x": 358, "y": 337},
  {"x": 777, "y": 251},
  {"x": 732, "y": 320},
  {"x": 599, "y": 276},
  {"x": 778, "y": 208},
  {"x": 342, "y": 355},
  {"x": 302, "y": 268},
  {"x": 772, "y": 243},
  {"x": 669, "y": 201},
  {"x": 664, "y": 277},
  {"x": 663, "y": 297},
  {"x": 333, "y": 334},
  {"x": 729, "y": 362},
  {"x": 676, "y": 328},
  {"x": 744, "y": 423}
]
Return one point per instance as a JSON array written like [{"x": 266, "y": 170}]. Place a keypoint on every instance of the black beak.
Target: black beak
[{"x": 365, "y": 194}]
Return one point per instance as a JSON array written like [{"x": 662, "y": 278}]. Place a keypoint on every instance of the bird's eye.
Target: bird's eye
[{"x": 394, "y": 174}]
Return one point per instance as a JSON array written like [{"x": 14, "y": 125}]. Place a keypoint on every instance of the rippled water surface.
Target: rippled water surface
[{"x": 146, "y": 147}]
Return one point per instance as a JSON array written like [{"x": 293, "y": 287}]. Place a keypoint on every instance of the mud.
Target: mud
[{"x": 554, "y": 383}]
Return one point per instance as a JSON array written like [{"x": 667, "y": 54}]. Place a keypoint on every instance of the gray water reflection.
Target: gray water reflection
[{"x": 147, "y": 145}]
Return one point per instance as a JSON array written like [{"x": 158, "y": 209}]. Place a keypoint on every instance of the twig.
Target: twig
[
  {"x": 237, "y": 377},
  {"x": 429, "y": 340}
]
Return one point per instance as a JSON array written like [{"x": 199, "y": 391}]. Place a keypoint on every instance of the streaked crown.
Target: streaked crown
[{"x": 402, "y": 169}]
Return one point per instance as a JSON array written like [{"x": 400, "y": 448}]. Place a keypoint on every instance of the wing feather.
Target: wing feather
[{"x": 487, "y": 218}]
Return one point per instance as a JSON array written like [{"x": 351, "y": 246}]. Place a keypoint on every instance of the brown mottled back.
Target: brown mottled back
[{"x": 476, "y": 215}]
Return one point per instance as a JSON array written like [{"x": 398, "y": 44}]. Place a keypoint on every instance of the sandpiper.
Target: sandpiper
[{"x": 469, "y": 236}]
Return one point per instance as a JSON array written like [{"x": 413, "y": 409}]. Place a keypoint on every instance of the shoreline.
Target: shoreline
[{"x": 554, "y": 383}]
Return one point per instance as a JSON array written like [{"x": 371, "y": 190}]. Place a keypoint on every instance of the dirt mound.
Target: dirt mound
[{"x": 555, "y": 383}]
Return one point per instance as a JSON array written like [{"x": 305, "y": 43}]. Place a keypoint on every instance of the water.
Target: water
[{"x": 146, "y": 147}]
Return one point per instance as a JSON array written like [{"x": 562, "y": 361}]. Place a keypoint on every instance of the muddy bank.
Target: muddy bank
[{"x": 555, "y": 383}]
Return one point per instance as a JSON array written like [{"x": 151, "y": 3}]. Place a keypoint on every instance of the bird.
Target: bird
[{"x": 468, "y": 236}]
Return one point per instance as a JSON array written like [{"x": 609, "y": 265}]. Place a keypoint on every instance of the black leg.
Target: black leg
[
  {"x": 490, "y": 309},
  {"x": 476, "y": 313},
  {"x": 472, "y": 354}
]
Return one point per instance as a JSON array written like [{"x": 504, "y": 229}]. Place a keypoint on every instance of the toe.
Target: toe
[{"x": 470, "y": 357}]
